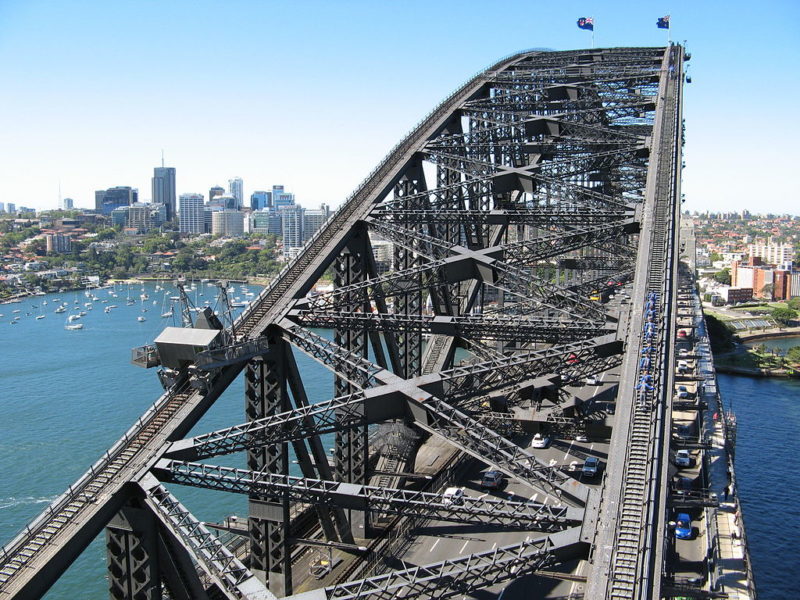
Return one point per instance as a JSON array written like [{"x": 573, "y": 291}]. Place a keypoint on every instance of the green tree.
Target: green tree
[
  {"x": 793, "y": 355},
  {"x": 782, "y": 315},
  {"x": 723, "y": 276},
  {"x": 794, "y": 303}
]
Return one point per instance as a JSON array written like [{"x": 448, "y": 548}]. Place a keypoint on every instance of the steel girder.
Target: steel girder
[
  {"x": 463, "y": 575},
  {"x": 479, "y": 511},
  {"x": 230, "y": 575}
]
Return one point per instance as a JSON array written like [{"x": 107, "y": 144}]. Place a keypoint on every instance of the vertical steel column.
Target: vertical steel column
[
  {"x": 132, "y": 555},
  {"x": 270, "y": 550},
  {"x": 351, "y": 454},
  {"x": 409, "y": 344}
]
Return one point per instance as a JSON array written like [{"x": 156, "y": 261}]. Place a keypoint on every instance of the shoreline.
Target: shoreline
[{"x": 767, "y": 335}]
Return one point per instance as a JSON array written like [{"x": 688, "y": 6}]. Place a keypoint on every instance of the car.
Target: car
[
  {"x": 683, "y": 526},
  {"x": 453, "y": 495},
  {"x": 683, "y": 353},
  {"x": 540, "y": 441},
  {"x": 683, "y": 394},
  {"x": 681, "y": 333},
  {"x": 592, "y": 380},
  {"x": 493, "y": 480},
  {"x": 683, "y": 458},
  {"x": 684, "y": 432},
  {"x": 683, "y": 388},
  {"x": 581, "y": 437},
  {"x": 591, "y": 466}
]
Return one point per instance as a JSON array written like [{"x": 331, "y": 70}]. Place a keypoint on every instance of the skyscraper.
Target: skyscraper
[
  {"x": 313, "y": 219},
  {"x": 215, "y": 191},
  {"x": 192, "y": 217},
  {"x": 281, "y": 198},
  {"x": 292, "y": 229},
  {"x": 260, "y": 200},
  {"x": 107, "y": 200},
  {"x": 236, "y": 189},
  {"x": 164, "y": 189}
]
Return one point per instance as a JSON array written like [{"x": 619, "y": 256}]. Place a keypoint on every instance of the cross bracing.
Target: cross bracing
[{"x": 508, "y": 213}]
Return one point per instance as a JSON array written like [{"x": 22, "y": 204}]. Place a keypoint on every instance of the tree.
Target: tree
[
  {"x": 793, "y": 355},
  {"x": 714, "y": 257},
  {"x": 782, "y": 316},
  {"x": 794, "y": 303},
  {"x": 723, "y": 276}
]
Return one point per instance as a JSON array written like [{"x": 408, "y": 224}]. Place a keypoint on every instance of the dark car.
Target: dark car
[
  {"x": 493, "y": 480},
  {"x": 590, "y": 466}
]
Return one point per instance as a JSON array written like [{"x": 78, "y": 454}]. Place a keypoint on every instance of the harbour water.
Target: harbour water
[{"x": 66, "y": 396}]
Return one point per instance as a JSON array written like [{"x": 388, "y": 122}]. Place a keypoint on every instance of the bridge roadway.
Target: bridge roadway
[{"x": 36, "y": 557}]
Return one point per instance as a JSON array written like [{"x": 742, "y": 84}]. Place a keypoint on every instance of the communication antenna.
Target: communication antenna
[{"x": 162, "y": 158}]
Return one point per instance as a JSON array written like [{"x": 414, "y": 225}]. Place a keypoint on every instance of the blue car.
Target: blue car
[{"x": 683, "y": 527}]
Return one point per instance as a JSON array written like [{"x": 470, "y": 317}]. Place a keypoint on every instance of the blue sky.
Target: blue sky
[{"x": 312, "y": 94}]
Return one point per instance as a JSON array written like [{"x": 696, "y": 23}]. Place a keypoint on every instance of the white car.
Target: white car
[
  {"x": 582, "y": 437},
  {"x": 453, "y": 495},
  {"x": 540, "y": 441},
  {"x": 592, "y": 380}
]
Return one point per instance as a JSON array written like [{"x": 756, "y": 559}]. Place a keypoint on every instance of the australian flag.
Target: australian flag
[
  {"x": 586, "y": 23},
  {"x": 663, "y": 22}
]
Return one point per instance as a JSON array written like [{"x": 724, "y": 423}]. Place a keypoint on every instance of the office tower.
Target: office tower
[
  {"x": 107, "y": 200},
  {"x": 164, "y": 189},
  {"x": 281, "y": 198},
  {"x": 214, "y": 192},
  {"x": 260, "y": 200},
  {"x": 67, "y": 204},
  {"x": 313, "y": 219},
  {"x": 227, "y": 223},
  {"x": 2, "y": 207},
  {"x": 191, "y": 213},
  {"x": 224, "y": 201},
  {"x": 292, "y": 229},
  {"x": 12, "y": 208},
  {"x": 236, "y": 189}
]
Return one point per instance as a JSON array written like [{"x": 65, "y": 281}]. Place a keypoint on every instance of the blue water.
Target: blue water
[
  {"x": 67, "y": 396},
  {"x": 767, "y": 447}
]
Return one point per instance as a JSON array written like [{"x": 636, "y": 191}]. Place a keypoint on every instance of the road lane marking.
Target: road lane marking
[
  {"x": 464, "y": 546},
  {"x": 434, "y": 544},
  {"x": 566, "y": 454}
]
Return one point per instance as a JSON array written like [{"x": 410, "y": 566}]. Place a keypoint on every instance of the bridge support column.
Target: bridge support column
[
  {"x": 270, "y": 550},
  {"x": 351, "y": 454},
  {"x": 132, "y": 555}
]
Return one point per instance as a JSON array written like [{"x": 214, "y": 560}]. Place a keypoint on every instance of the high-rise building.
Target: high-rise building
[
  {"x": 772, "y": 254},
  {"x": 2, "y": 207},
  {"x": 11, "y": 208},
  {"x": 313, "y": 219},
  {"x": 236, "y": 189},
  {"x": 224, "y": 201},
  {"x": 191, "y": 213},
  {"x": 164, "y": 189},
  {"x": 291, "y": 229},
  {"x": 67, "y": 204},
  {"x": 281, "y": 198},
  {"x": 214, "y": 192},
  {"x": 107, "y": 200},
  {"x": 260, "y": 200},
  {"x": 227, "y": 223}
]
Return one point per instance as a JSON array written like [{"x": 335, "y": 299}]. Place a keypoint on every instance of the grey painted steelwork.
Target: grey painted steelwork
[{"x": 510, "y": 209}]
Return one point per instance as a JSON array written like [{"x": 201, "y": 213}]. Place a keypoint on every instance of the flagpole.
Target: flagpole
[{"x": 592, "y": 33}]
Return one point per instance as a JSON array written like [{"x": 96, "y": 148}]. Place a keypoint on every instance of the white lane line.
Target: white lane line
[
  {"x": 533, "y": 498},
  {"x": 434, "y": 544},
  {"x": 464, "y": 546},
  {"x": 566, "y": 454},
  {"x": 494, "y": 545},
  {"x": 483, "y": 495}
]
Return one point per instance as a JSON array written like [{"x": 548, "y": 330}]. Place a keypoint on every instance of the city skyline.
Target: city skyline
[{"x": 320, "y": 105}]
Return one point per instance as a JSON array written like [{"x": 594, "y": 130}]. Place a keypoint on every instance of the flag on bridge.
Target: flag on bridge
[
  {"x": 663, "y": 22},
  {"x": 586, "y": 23}
]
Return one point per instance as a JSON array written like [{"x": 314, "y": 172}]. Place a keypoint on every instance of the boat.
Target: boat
[
  {"x": 40, "y": 317},
  {"x": 61, "y": 309},
  {"x": 72, "y": 318},
  {"x": 107, "y": 309},
  {"x": 74, "y": 326},
  {"x": 140, "y": 318}
]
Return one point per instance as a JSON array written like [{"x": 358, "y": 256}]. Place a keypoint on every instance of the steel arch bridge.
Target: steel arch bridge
[{"x": 511, "y": 211}]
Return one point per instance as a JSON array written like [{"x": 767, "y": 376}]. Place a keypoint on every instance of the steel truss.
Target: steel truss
[{"x": 514, "y": 203}]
